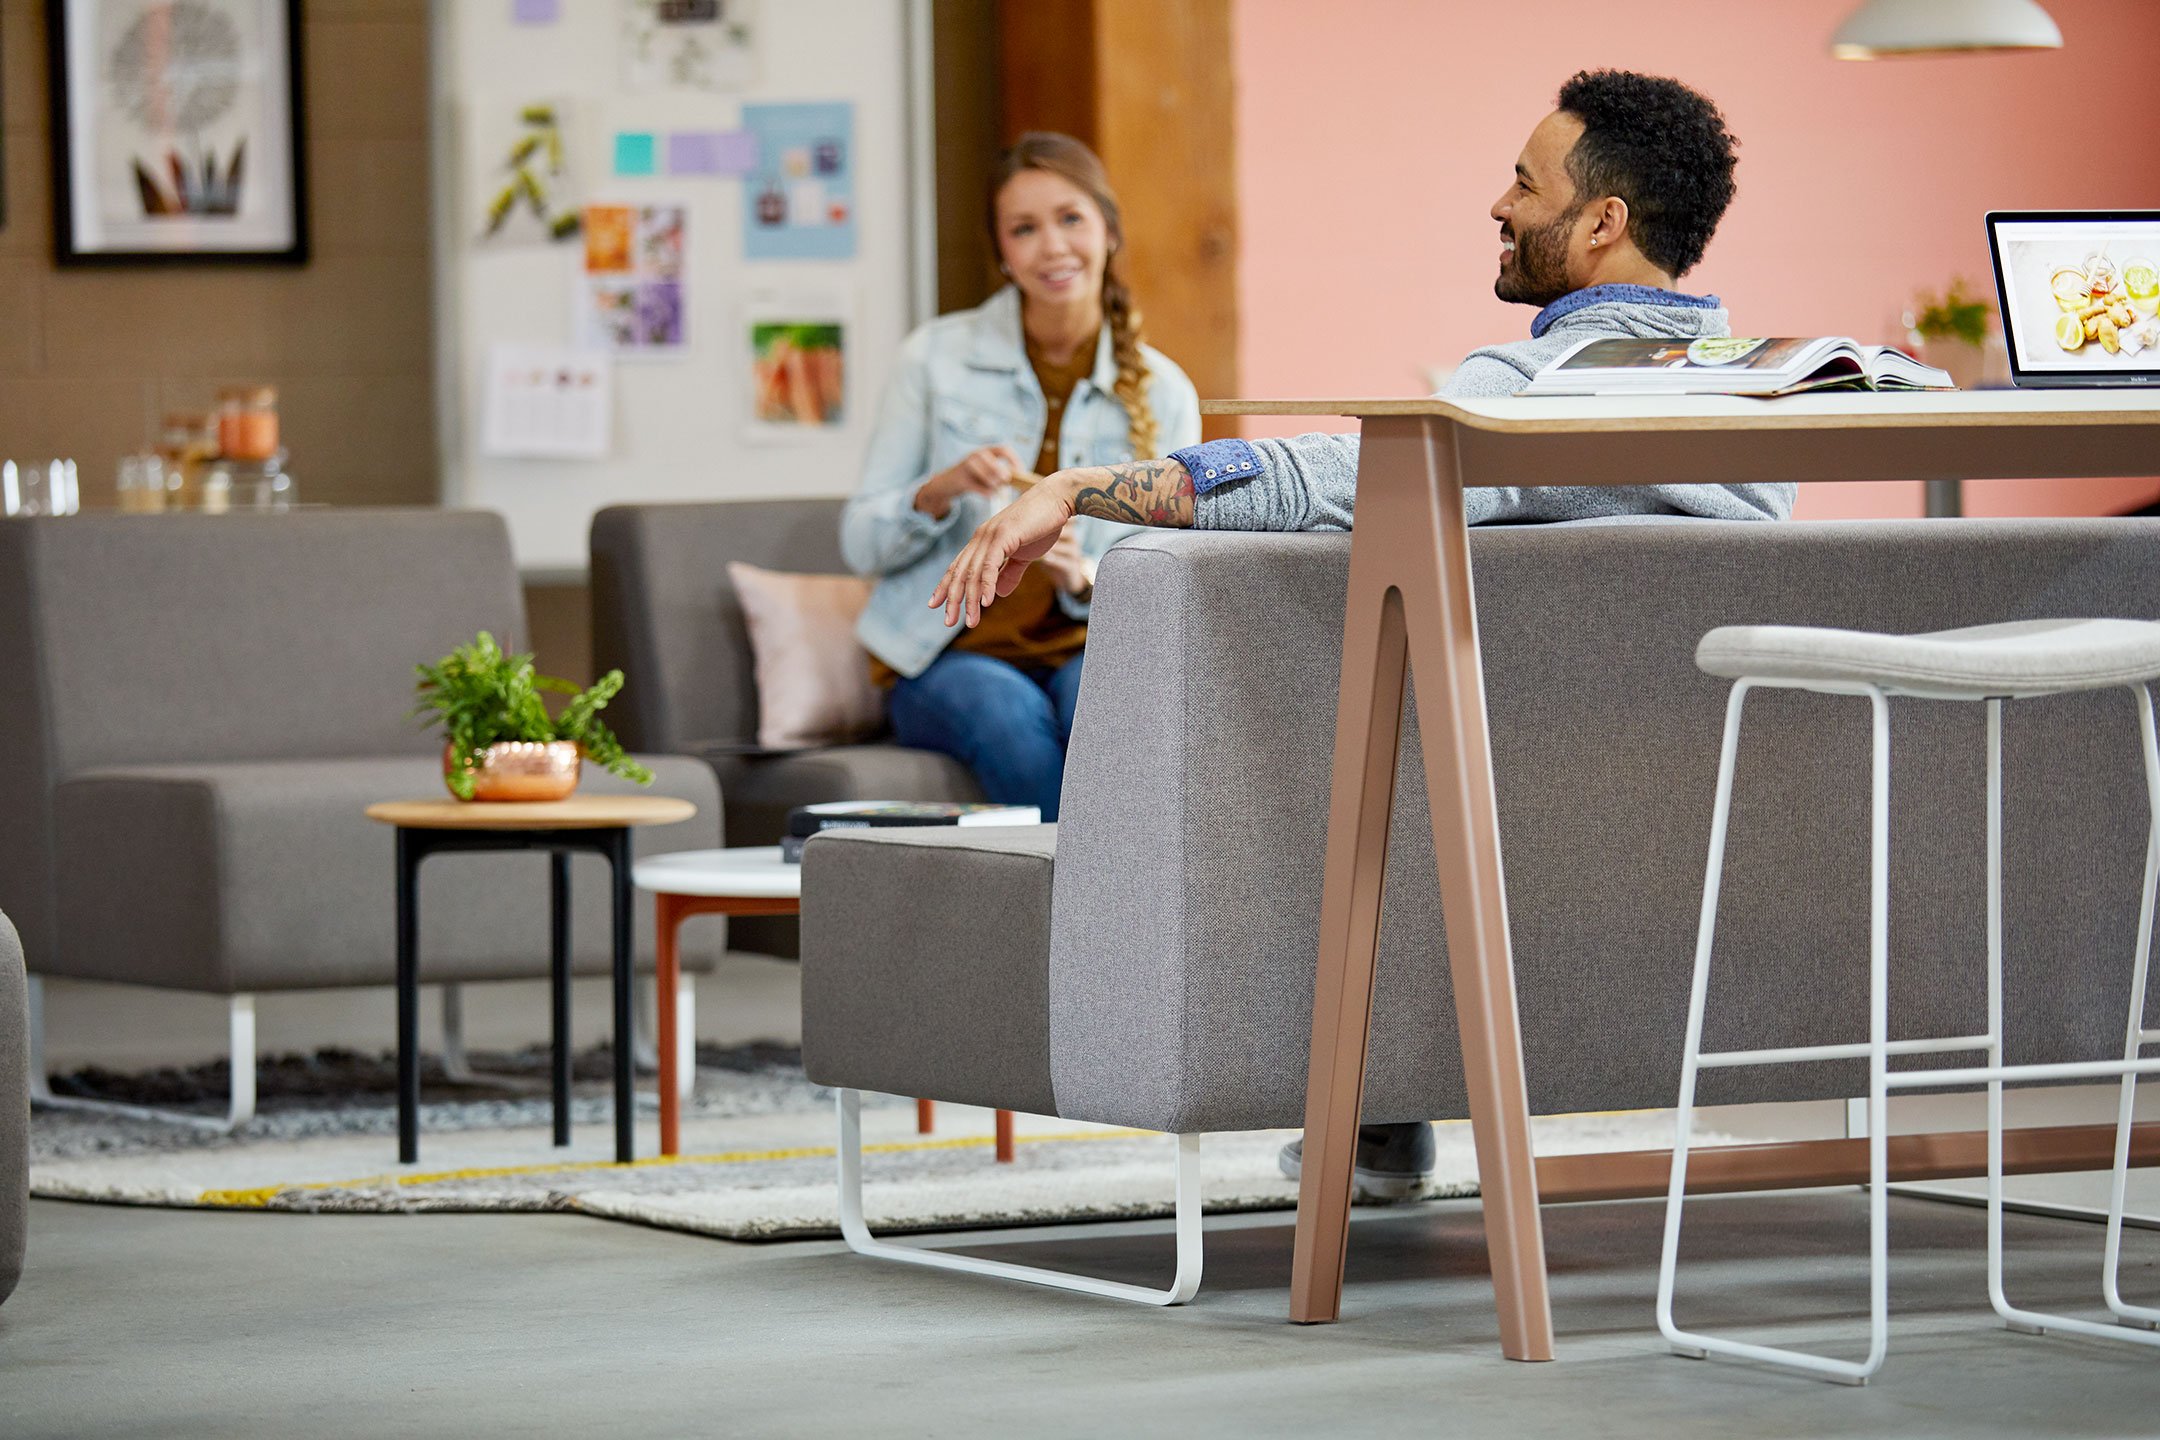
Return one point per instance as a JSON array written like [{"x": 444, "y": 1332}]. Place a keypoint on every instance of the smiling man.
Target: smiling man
[{"x": 1615, "y": 197}]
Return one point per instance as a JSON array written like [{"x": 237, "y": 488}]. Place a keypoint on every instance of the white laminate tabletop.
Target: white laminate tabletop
[{"x": 752, "y": 872}]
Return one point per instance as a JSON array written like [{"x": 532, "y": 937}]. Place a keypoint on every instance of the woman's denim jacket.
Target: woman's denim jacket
[{"x": 964, "y": 381}]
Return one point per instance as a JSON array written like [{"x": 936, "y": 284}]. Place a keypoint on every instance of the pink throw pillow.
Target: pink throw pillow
[{"x": 813, "y": 678}]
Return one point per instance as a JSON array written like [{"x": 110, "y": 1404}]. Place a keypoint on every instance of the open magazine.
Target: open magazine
[{"x": 1732, "y": 365}]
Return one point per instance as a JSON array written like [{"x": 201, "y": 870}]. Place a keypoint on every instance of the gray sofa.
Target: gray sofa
[
  {"x": 1149, "y": 961},
  {"x": 665, "y": 611},
  {"x": 208, "y": 703},
  {"x": 14, "y": 1109}
]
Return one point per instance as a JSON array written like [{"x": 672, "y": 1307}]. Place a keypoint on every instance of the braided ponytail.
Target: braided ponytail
[
  {"x": 1132, "y": 372},
  {"x": 1064, "y": 156}
]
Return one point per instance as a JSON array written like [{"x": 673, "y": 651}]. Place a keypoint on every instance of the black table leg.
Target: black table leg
[
  {"x": 408, "y": 999},
  {"x": 613, "y": 845},
  {"x": 618, "y": 854},
  {"x": 559, "y": 982}
]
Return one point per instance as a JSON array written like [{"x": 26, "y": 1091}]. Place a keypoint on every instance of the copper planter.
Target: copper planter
[{"x": 522, "y": 770}]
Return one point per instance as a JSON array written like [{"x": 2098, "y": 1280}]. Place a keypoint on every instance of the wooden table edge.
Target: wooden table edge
[
  {"x": 532, "y": 814},
  {"x": 1517, "y": 415}
]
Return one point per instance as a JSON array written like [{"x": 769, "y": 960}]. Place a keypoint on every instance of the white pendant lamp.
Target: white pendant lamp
[{"x": 1883, "y": 28}]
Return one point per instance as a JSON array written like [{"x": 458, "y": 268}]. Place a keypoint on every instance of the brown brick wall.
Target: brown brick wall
[{"x": 90, "y": 358}]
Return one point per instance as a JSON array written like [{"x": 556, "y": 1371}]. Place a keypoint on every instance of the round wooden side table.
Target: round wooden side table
[{"x": 600, "y": 824}]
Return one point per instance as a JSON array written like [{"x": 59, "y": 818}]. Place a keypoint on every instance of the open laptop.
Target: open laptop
[{"x": 2079, "y": 291}]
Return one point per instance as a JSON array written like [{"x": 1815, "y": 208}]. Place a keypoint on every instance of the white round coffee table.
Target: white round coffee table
[{"x": 747, "y": 880}]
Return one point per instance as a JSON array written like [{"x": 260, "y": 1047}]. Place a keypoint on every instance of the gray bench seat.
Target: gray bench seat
[
  {"x": 1183, "y": 906},
  {"x": 267, "y": 875},
  {"x": 207, "y": 704}
]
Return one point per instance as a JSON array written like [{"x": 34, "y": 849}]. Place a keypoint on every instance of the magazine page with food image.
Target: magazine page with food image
[
  {"x": 1730, "y": 365},
  {"x": 1724, "y": 353},
  {"x": 2081, "y": 296}
]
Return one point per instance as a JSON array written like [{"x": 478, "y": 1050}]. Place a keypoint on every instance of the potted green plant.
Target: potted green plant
[
  {"x": 500, "y": 742},
  {"x": 1953, "y": 328}
]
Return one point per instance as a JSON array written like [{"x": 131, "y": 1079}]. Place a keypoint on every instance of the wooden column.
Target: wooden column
[{"x": 1147, "y": 83}]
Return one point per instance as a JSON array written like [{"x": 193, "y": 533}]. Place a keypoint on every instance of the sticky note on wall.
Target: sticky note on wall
[
  {"x": 711, "y": 152},
  {"x": 535, "y": 12},
  {"x": 636, "y": 153}
]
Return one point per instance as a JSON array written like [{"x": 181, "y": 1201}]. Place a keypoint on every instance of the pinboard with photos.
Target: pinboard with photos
[{"x": 673, "y": 245}]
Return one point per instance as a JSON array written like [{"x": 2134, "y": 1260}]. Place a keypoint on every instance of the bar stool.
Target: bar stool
[{"x": 1989, "y": 664}]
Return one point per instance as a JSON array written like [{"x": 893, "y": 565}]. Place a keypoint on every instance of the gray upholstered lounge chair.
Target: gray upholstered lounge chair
[
  {"x": 665, "y": 611},
  {"x": 207, "y": 704},
  {"x": 14, "y": 1109}
]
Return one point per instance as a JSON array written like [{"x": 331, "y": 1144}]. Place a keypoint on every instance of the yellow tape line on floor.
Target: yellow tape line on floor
[{"x": 261, "y": 1196}]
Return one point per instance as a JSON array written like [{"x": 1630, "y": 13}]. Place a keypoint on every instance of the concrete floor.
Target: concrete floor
[
  {"x": 175, "y": 1323},
  {"x": 147, "y": 1322}
]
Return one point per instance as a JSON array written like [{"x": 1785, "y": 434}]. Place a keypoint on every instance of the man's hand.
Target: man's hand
[
  {"x": 984, "y": 471},
  {"x": 1145, "y": 492},
  {"x": 1002, "y": 548}
]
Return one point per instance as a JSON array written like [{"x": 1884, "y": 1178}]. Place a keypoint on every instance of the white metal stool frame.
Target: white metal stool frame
[
  {"x": 1184, "y": 1283},
  {"x": 1879, "y": 1048}
]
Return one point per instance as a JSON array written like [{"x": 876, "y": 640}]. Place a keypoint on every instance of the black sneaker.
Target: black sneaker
[{"x": 1393, "y": 1162}]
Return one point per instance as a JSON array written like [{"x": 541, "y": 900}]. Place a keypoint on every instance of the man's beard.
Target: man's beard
[{"x": 1539, "y": 274}]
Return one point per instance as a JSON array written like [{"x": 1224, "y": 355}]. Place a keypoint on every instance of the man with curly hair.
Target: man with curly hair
[{"x": 1614, "y": 198}]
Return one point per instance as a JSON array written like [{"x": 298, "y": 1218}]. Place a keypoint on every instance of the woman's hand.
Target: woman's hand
[
  {"x": 983, "y": 471},
  {"x": 1003, "y": 546},
  {"x": 1071, "y": 570}
]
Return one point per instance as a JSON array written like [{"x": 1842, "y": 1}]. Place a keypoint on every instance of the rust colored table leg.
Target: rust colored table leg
[
  {"x": 1004, "y": 1137},
  {"x": 1410, "y": 596},
  {"x": 925, "y": 1117},
  {"x": 668, "y": 913}
]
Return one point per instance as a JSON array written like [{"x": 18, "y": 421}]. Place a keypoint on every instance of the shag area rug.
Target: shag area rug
[{"x": 758, "y": 1159}]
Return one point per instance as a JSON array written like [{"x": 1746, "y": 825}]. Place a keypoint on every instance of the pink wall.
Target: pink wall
[{"x": 1373, "y": 135}]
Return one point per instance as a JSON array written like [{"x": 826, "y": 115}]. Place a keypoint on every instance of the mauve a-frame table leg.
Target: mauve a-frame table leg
[{"x": 1410, "y": 600}]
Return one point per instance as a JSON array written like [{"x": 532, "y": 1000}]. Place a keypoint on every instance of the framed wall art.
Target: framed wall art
[{"x": 177, "y": 132}]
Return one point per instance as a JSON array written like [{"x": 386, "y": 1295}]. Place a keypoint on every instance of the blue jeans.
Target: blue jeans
[{"x": 1006, "y": 724}]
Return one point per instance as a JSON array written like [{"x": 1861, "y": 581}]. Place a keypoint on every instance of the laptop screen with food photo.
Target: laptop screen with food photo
[{"x": 2080, "y": 294}]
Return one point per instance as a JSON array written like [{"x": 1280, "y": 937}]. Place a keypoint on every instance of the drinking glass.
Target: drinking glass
[
  {"x": 38, "y": 487},
  {"x": 141, "y": 483}
]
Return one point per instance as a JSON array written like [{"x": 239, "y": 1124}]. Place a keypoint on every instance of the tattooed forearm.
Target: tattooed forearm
[{"x": 1147, "y": 492}]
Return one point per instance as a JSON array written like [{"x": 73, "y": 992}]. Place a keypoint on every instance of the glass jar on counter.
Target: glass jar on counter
[
  {"x": 248, "y": 423},
  {"x": 253, "y": 486},
  {"x": 187, "y": 441},
  {"x": 140, "y": 483}
]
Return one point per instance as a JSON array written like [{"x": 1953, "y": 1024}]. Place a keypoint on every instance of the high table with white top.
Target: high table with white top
[{"x": 1410, "y": 602}]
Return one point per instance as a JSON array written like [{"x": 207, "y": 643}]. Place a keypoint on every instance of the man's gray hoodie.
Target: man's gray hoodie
[{"x": 1310, "y": 482}]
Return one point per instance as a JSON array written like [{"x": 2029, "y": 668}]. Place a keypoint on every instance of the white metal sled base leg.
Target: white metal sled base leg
[
  {"x": 1183, "y": 1285},
  {"x": 240, "y": 1107}
]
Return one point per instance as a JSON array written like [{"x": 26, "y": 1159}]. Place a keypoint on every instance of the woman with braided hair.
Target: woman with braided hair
[{"x": 1049, "y": 373}]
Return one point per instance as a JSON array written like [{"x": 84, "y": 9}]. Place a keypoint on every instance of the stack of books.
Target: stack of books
[{"x": 807, "y": 820}]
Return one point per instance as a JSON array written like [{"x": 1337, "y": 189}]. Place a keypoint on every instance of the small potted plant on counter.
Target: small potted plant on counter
[
  {"x": 1954, "y": 329},
  {"x": 500, "y": 742}
]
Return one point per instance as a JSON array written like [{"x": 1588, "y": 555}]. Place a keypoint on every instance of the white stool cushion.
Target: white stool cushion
[{"x": 2025, "y": 657}]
